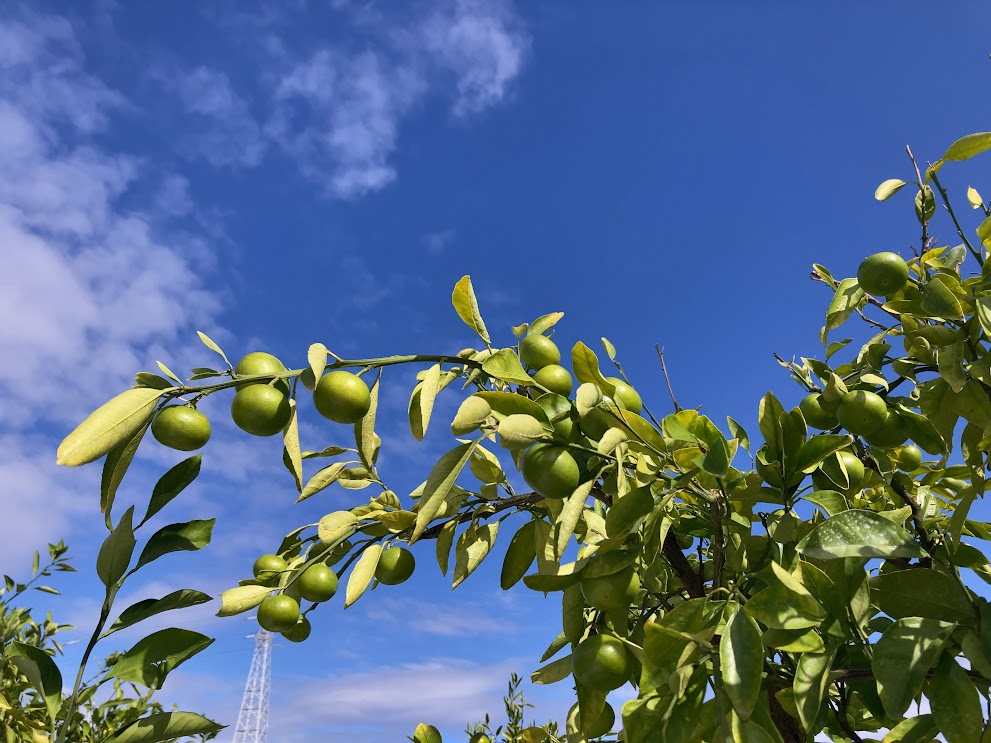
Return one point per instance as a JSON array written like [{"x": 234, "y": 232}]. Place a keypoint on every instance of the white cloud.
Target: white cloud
[
  {"x": 434, "y": 619},
  {"x": 229, "y": 135},
  {"x": 437, "y": 242}
]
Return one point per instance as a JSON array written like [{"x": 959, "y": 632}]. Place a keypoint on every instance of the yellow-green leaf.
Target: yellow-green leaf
[
  {"x": 362, "y": 574},
  {"x": 335, "y": 527},
  {"x": 974, "y": 198},
  {"x": 473, "y": 546},
  {"x": 466, "y": 306},
  {"x": 439, "y": 485},
  {"x": 966, "y": 147},
  {"x": 888, "y": 189},
  {"x": 236, "y": 600},
  {"x": 114, "y": 422}
]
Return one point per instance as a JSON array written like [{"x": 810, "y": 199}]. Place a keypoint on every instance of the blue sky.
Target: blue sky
[{"x": 326, "y": 171}]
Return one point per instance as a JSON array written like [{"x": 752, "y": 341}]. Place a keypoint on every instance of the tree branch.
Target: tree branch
[
  {"x": 667, "y": 379},
  {"x": 691, "y": 580},
  {"x": 917, "y": 519}
]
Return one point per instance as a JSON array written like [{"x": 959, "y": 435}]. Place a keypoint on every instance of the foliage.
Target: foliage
[
  {"x": 24, "y": 713},
  {"x": 769, "y": 607},
  {"x": 515, "y": 730}
]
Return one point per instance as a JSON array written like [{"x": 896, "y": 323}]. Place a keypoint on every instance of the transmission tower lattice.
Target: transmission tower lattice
[{"x": 252, "y": 720}]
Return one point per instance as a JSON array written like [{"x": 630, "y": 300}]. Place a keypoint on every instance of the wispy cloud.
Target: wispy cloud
[
  {"x": 437, "y": 242},
  {"x": 435, "y": 619}
]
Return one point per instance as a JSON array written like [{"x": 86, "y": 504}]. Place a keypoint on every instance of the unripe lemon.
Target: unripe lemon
[
  {"x": 278, "y": 613},
  {"x": 889, "y": 434},
  {"x": 261, "y": 410},
  {"x": 601, "y": 662},
  {"x": 827, "y": 477},
  {"x": 538, "y": 351},
  {"x": 395, "y": 566},
  {"x": 268, "y": 567},
  {"x": 625, "y": 395},
  {"x": 909, "y": 458},
  {"x": 612, "y": 592},
  {"x": 601, "y": 726},
  {"x": 299, "y": 632},
  {"x": 342, "y": 396},
  {"x": 317, "y": 583},
  {"x": 555, "y": 378},
  {"x": 181, "y": 427},
  {"x": 815, "y": 415},
  {"x": 861, "y": 412},
  {"x": 882, "y": 273},
  {"x": 550, "y": 470},
  {"x": 259, "y": 362}
]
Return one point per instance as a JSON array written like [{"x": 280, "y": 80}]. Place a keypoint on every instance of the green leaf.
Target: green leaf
[
  {"x": 573, "y": 614},
  {"x": 445, "y": 540},
  {"x": 810, "y": 685},
  {"x": 922, "y": 592},
  {"x": 519, "y": 556},
  {"x": 291, "y": 455},
  {"x": 169, "y": 373},
  {"x": 115, "y": 553},
  {"x": 794, "y": 641},
  {"x": 966, "y": 147},
  {"x": 716, "y": 458},
  {"x": 741, "y": 662},
  {"x": 956, "y": 703},
  {"x": 316, "y": 357},
  {"x": 888, "y": 189},
  {"x": 473, "y": 547},
  {"x": 520, "y": 431},
  {"x": 362, "y": 574},
  {"x": 586, "y": 366},
  {"x": 322, "y": 479},
  {"x": 41, "y": 672},
  {"x": 335, "y": 527},
  {"x": 846, "y": 299},
  {"x": 627, "y": 510},
  {"x": 151, "y": 659},
  {"x": 155, "y": 382},
  {"x": 424, "y": 401},
  {"x": 439, "y": 485},
  {"x": 984, "y": 233},
  {"x": 553, "y": 672},
  {"x": 236, "y": 600},
  {"x": 466, "y": 306},
  {"x": 172, "y": 483},
  {"x": 919, "y": 729},
  {"x": 818, "y": 448},
  {"x": 768, "y": 414},
  {"x": 364, "y": 430},
  {"x": 115, "y": 466},
  {"x": 922, "y": 431},
  {"x": 779, "y": 607},
  {"x": 940, "y": 302},
  {"x": 213, "y": 347},
  {"x": 110, "y": 425},
  {"x": 949, "y": 360},
  {"x": 188, "y": 536},
  {"x": 544, "y": 323},
  {"x": 162, "y": 726},
  {"x": 140, "y": 611},
  {"x": 570, "y": 515},
  {"x": 858, "y": 533},
  {"x": 509, "y": 403},
  {"x": 505, "y": 365},
  {"x": 610, "y": 349},
  {"x": 902, "y": 657},
  {"x": 738, "y": 432}
]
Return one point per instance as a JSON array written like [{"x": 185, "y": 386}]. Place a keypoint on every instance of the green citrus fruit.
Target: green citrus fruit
[
  {"x": 685, "y": 541},
  {"x": 317, "y": 583},
  {"x": 342, "y": 396},
  {"x": 602, "y": 725},
  {"x": 261, "y": 410},
  {"x": 909, "y": 458},
  {"x": 889, "y": 434},
  {"x": 278, "y": 613},
  {"x": 882, "y": 273},
  {"x": 395, "y": 566},
  {"x": 426, "y": 734},
  {"x": 181, "y": 427},
  {"x": 480, "y": 738},
  {"x": 538, "y": 351},
  {"x": 559, "y": 412},
  {"x": 260, "y": 362},
  {"x": 815, "y": 415},
  {"x": 829, "y": 477},
  {"x": 861, "y": 412},
  {"x": 554, "y": 378},
  {"x": 612, "y": 592},
  {"x": 625, "y": 395},
  {"x": 268, "y": 567},
  {"x": 550, "y": 470},
  {"x": 596, "y": 422},
  {"x": 299, "y": 632},
  {"x": 601, "y": 662}
]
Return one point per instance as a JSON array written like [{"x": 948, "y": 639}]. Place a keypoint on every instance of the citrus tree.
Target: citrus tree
[{"x": 815, "y": 578}]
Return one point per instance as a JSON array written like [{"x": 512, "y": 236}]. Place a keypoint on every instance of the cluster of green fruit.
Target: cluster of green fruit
[
  {"x": 262, "y": 408},
  {"x": 552, "y": 470},
  {"x": 317, "y": 583}
]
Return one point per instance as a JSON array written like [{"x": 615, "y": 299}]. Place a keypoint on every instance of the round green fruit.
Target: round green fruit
[
  {"x": 596, "y": 422},
  {"x": 555, "y": 378},
  {"x": 625, "y": 395},
  {"x": 861, "y": 412},
  {"x": 612, "y": 592},
  {"x": 278, "y": 613},
  {"x": 181, "y": 427},
  {"x": 550, "y": 470},
  {"x": 882, "y": 273},
  {"x": 299, "y": 632},
  {"x": 828, "y": 476},
  {"x": 602, "y": 725},
  {"x": 342, "y": 397},
  {"x": 909, "y": 458},
  {"x": 538, "y": 351},
  {"x": 815, "y": 415},
  {"x": 261, "y": 410},
  {"x": 480, "y": 738},
  {"x": 317, "y": 583},
  {"x": 602, "y": 662},
  {"x": 889, "y": 434},
  {"x": 268, "y": 567},
  {"x": 259, "y": 362},
  {"x": 395, "y": 566}
]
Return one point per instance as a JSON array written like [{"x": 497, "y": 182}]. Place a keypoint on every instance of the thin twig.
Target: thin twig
[
  {"x": 922, "y": 188},
  {"x": 946, "y": 203},
  {"x": 664, "y": 368}
]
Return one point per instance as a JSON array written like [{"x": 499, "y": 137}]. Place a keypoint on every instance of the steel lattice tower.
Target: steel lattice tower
[{"x": 252, "y": 720}]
